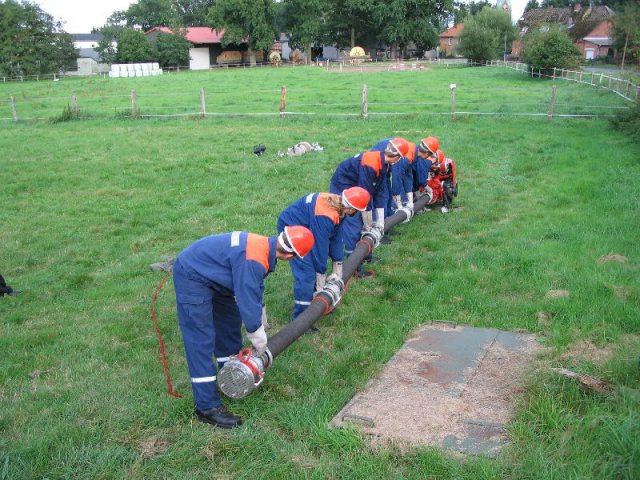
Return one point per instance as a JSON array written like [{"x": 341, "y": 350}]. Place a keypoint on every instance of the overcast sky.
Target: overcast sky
[{"x": 80, "y": 16}]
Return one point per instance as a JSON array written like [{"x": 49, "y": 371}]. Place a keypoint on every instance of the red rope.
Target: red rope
[
  {"x": 155, "y": 321},
  {"x": 245, "y": 356}
]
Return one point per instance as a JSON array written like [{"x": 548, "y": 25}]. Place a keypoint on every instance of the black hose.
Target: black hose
[{"x": 292, "y": 331}]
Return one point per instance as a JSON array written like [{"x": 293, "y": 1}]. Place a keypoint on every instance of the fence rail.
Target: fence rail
[{"x": 544, "y": 99}]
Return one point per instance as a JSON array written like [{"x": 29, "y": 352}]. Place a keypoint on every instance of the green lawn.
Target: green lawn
[{"x": 87, "y": 205}]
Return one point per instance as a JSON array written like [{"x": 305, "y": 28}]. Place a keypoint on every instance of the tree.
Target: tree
[
  {"x": 107, "y": 45},
  {"x": 252, "y": 21},
  {"x": 352, "y": 22},
  {"x": 173, "y": 49},
  {"x": 626, "y": 32},
  {"x": 31, "y": 42},
  {"x": 531, "y": 4},
  {"x": 487, "y": 35},
  {"x": 306, "y": 23},
  {"x": 146, "y": 14},
  {"x": 133, "y": 46},
  {"x": 549, "y": 47},
  {"x": 193, "y": 13},
  {"x": 404, "y": 21}
]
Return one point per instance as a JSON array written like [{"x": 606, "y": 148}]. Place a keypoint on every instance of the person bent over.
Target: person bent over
[
  {"x": 322, "y": 213},
  {"x": 219, "y": 285}
]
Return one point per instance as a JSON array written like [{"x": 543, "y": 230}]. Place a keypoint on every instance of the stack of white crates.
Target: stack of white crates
[{"x": 119, "y": 70}]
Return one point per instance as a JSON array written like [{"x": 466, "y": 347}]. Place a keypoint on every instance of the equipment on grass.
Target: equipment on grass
[{"x": 244, "y": 372}]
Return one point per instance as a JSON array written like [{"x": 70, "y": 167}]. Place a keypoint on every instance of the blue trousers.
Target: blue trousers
[{"x": 211, "y": 327}]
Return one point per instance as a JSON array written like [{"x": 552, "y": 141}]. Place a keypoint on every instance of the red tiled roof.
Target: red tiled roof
[
  {"x": 195, "y": 35},
  {"x": 454, "y": 31}
]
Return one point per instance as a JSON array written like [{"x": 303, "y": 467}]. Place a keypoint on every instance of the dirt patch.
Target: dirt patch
[
  {"x": 553, "y": 294},
  {"x": 448, "y": 386},
  {"x": 154, "y": 447},
  {"x": 586, "y": 351},
  {"x": 613, "y": 257}
]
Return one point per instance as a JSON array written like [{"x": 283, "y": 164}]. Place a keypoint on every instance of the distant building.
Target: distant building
[
  {"x": 504, "y": 5},
  {"x": 88, "y": 59},
  {"x": 207, "y": 49},
  {"x": 449, "y": 40},
  {"x": 589, "y": 28}
]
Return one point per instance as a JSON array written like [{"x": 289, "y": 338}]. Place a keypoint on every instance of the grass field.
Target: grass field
[{"x": 88, "y": 205}]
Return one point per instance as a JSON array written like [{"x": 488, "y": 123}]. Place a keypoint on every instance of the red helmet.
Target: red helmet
[
  {"x": 397, "y": 147},
  {"x": 429, "y": 145},
  {"x": 356, "y": 197},
  {"x": 299, "y": 240}
]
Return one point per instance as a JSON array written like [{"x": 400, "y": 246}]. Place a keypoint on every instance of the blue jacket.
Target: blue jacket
[
  {"x": 367, "y": 170},
  {"x": 401, "y": 171},
  {"x": 420, "y": 169},
  {"x": 237, "y": 261},
  {"x": 313, "y": 211}
]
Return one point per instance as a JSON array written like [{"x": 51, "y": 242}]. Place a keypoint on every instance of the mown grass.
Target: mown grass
[
  {"x": 88, "y": 205},
  {"x": 310, "y": 91}
]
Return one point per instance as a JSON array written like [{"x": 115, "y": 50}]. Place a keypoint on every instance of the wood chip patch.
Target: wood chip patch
[{"x": 448, "y": 386}]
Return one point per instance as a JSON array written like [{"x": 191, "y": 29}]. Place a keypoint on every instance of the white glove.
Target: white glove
[
  {"x": 265, "y": 321},
  {"x": 337, "y": 269},
  {"x": 258, "y": 339},
  {"x": 367, "y": 219},
  {"x": 398, "y": 200},
  {"x": 380, "y": 219},
  {"x": 320, "y": 281},
  {"x": 410, "y": 200},
  {"x": 408, "y": 212}
]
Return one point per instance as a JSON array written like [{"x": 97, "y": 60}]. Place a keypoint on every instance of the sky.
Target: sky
[{"x": 80, "y": 16}]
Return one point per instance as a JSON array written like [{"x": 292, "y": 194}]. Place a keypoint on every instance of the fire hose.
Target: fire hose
[{"x": 243, "y": 373}]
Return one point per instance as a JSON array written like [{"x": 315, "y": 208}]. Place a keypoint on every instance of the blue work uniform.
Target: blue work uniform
[
  {"x": 369, "y": 171},
  {"x": 219, "y": 284},
  {"x": 314, "y": 212},
  {"x": 421, "y": 168},
  {"x": 400, "y": 180}
]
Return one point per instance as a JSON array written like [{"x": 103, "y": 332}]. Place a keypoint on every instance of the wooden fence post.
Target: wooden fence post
[
  {"x": 134, "y": 103},
  {"x": 453, "y": 100},
  {"x": 626, "y": 93},
  {"x": 203, "y": 103},
  {"x": 552, "y": 103},
  {"x": 283, "y": 101},
  {"x": 14, "y": 112},
  {"x": 637, "y": 93},
  {"x": 74, "y": 105},
  {"x": 580, "y": 78},
  {"x": 601, "y": 76},
  {"x": 365, "y": 104},
  {"x": 591, "y": 78},
  {"x": 554, "y": 73}
]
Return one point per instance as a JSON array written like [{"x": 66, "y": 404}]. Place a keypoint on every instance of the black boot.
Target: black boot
[{"x": 220, "y": 417}]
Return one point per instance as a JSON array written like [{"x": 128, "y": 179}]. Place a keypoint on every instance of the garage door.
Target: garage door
[{"x": 199, "y": 58}]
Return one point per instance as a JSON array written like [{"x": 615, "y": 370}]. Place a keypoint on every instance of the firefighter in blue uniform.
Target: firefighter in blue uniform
[
  {"x": 400, "y": 182},
  {"x": 219, "y": 285},
  {"x": 321, "y": 213},
  {"x": 368, "y": 170},
  {"x": 425, "y": 153}
]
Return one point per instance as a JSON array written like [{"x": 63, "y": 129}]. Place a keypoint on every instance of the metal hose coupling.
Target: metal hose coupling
[
  {"x": 333, "y": 289},
  {"x": 408, "y": 212},
  {"x": 243, "y": 373},
  {"x": 374, "y": 234}
]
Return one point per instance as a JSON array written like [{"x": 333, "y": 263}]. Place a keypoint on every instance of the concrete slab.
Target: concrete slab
[{"x": 448, "y": 386}]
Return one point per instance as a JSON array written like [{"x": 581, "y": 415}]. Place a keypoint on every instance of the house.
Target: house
[
  {"x": 449, "y": 40},
  {"x": 207, "y": 49},
  {"x": 589, "y": 28},
  {"x": 88, "y": 59}
]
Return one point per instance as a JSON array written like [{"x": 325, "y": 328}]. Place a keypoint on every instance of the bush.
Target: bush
[
  {"x": 486, "y": 35},
  {"x": 550, "y": 47},
  {"x": 628, "y": 121}
]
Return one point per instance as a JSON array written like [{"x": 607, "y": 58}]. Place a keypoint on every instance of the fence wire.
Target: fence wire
[{"x": 567, "y": 101}]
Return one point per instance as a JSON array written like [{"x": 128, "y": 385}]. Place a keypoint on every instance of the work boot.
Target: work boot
[
  {"x": 392, "y": 232},
  {"x": 444, "y": 209},
  {"x": 312, "y": 330},
  {"x": 220, "y": 417},
  {"x": 386, "y": 240}
]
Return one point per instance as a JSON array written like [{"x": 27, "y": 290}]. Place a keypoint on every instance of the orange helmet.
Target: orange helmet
[
  {"x": 429, "y": 145},
  {"x": 356, "y": 197},
  {"x": 299, "y": 240},
  {"x": 397, "y": 147}
]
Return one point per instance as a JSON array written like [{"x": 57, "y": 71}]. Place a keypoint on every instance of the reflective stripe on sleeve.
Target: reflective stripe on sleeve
[
  {"x": 235, "y": 239},
  {"x": 203, "y": 379}
]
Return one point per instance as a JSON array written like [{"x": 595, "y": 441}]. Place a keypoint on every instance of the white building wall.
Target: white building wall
[{"x": 199, "y": 58}]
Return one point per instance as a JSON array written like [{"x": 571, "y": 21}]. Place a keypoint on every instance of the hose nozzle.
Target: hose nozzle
[{"x": 243, "y": 373}]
